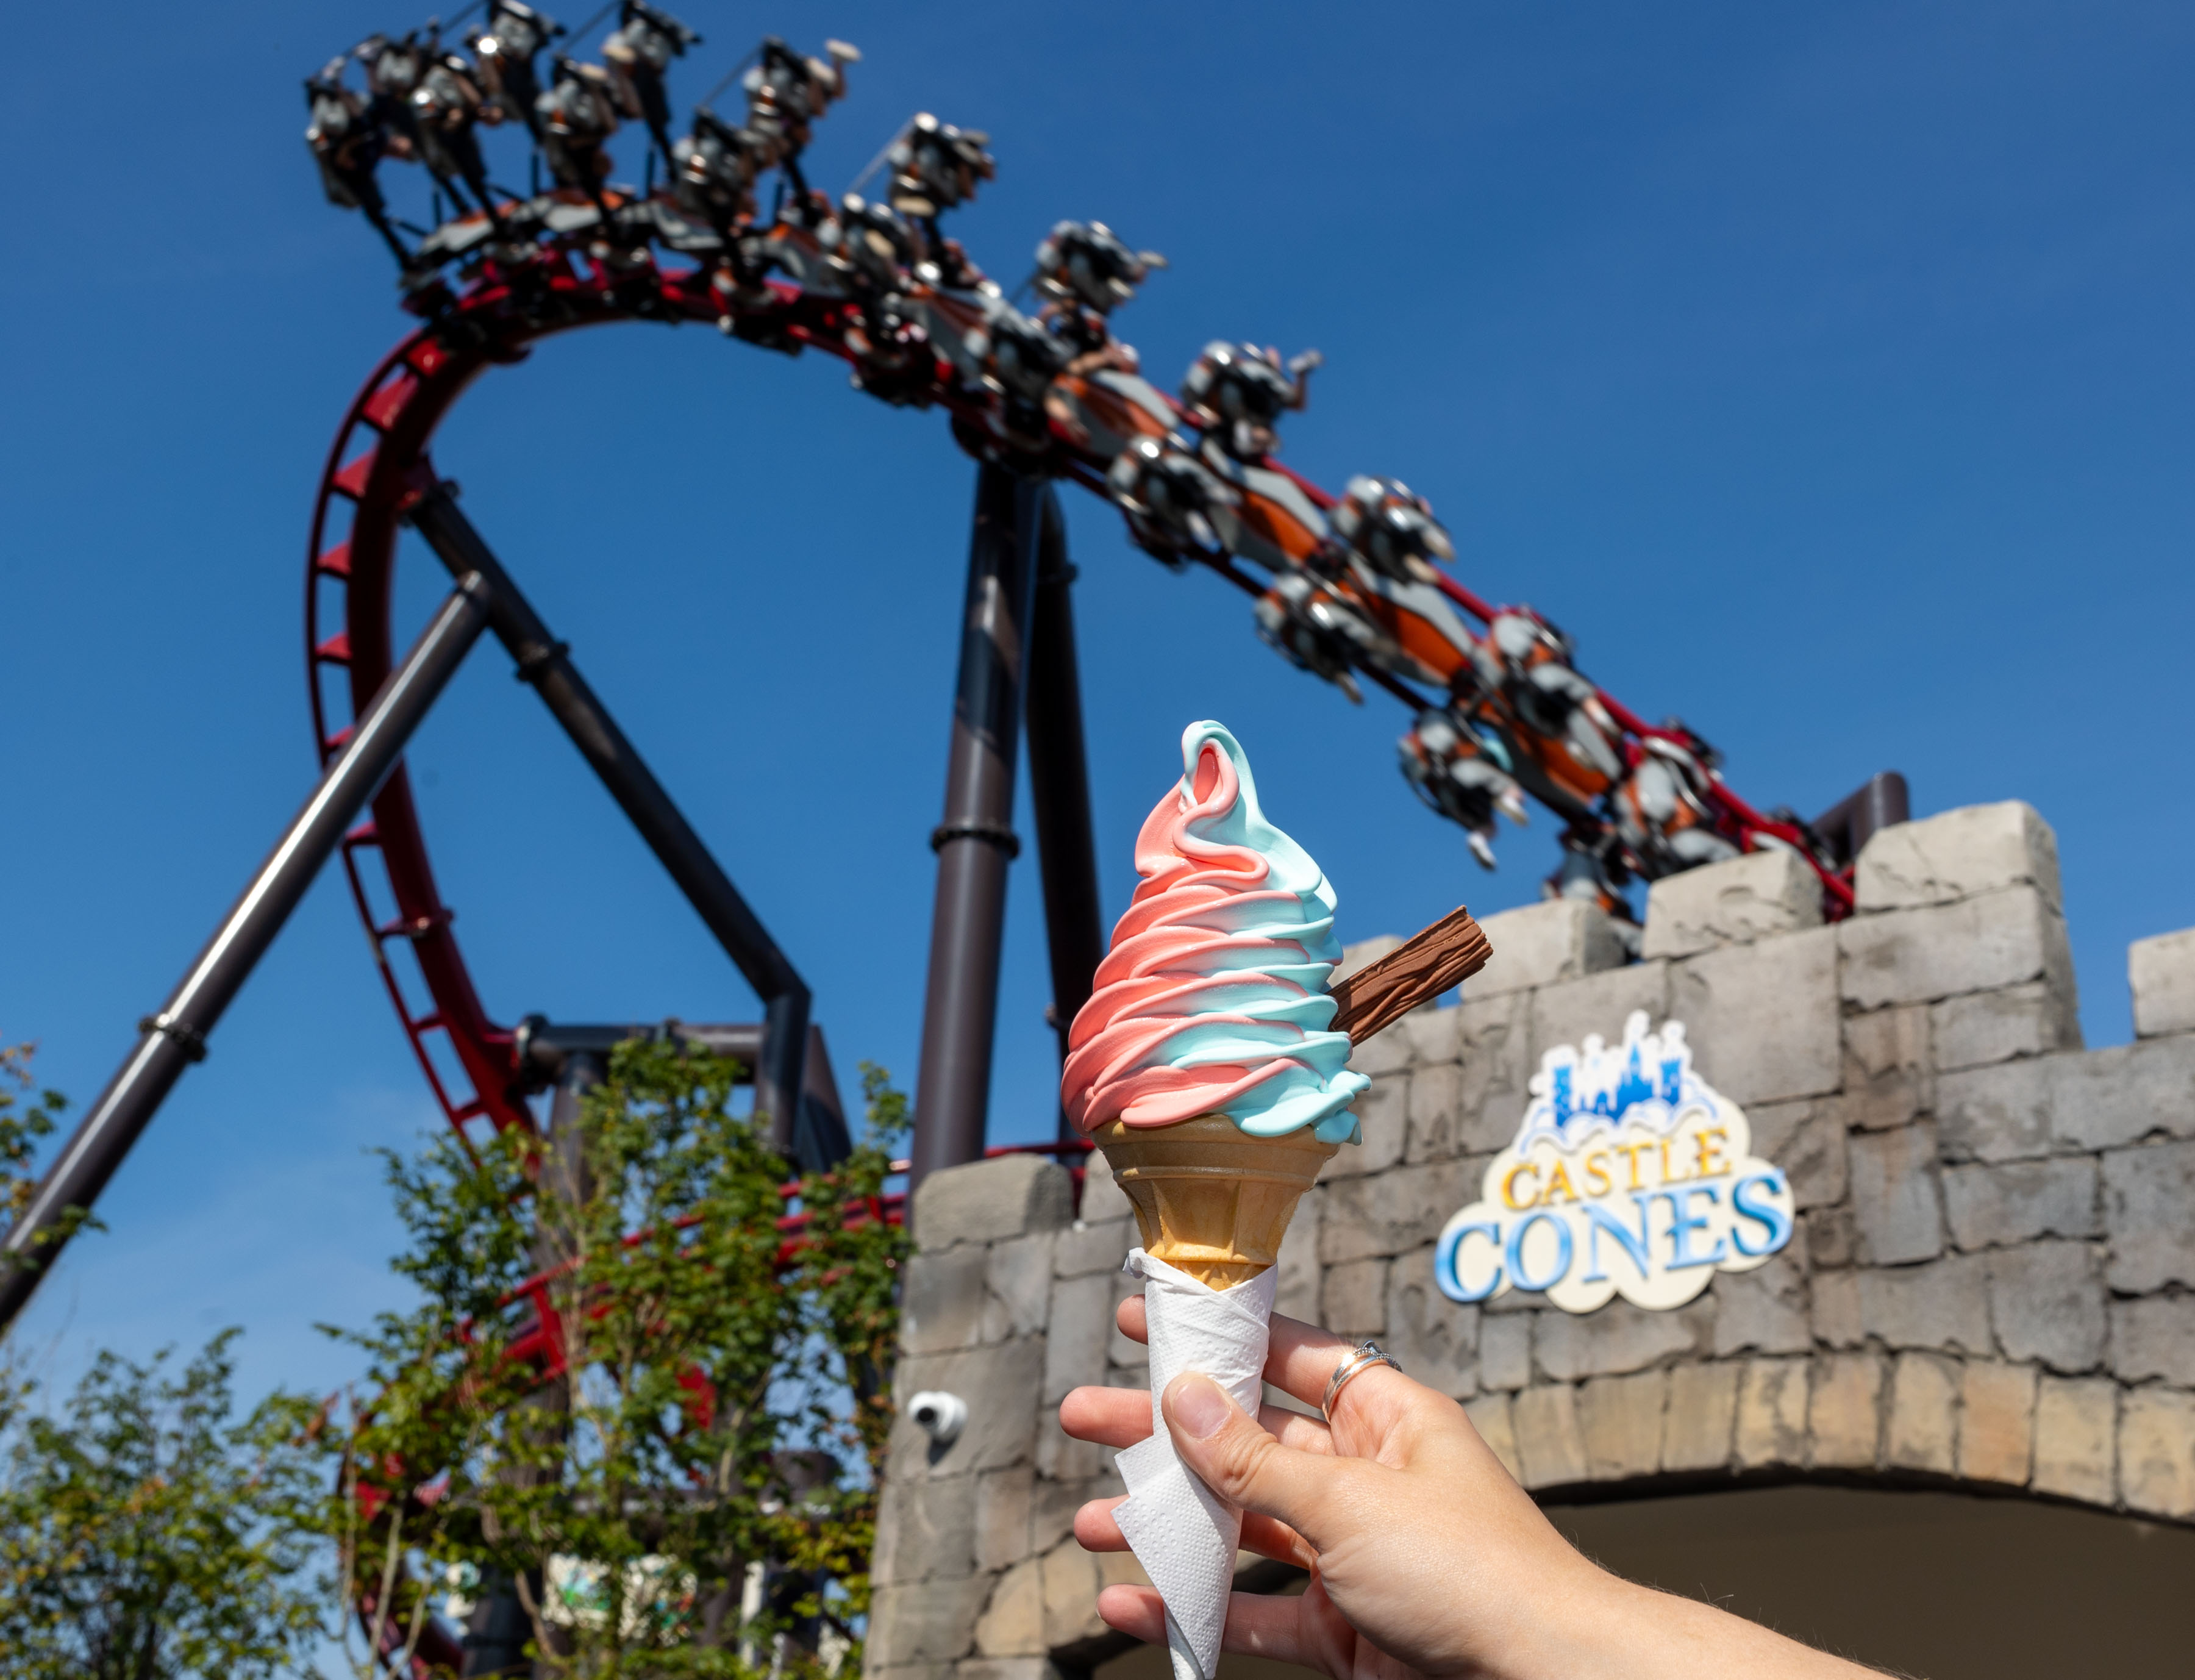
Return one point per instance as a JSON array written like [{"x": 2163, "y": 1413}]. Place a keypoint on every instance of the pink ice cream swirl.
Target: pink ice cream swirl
[{"x": 1212, "y": 999}]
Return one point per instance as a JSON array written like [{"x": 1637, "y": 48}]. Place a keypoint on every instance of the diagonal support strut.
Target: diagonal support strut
[{"x": 546, "y": 663}]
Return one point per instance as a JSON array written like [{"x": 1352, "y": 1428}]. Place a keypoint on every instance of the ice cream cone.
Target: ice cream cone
[{"x": 1210, "y": 1198}]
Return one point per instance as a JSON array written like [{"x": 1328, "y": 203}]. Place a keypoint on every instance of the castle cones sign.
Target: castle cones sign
[{"x": 1630, "y": 1176}]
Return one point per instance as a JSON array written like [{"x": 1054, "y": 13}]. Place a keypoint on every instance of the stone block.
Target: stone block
[
  {"x": 1762, "y": 1311},
  {"x": 1754, "y": 896},
  {"x": 1061, "y": 1457},
  {"x": 999, "y": 1383},
  {"x": 2108, "y": 1099},
  {"x": 1354, "y": 1299},
  {"x": 1701, "y": 1415},
  {"x": 1924, "y": 1396},
  {"x": 1505, "y": 1350},
  {"x": 1762, "y": 1020},
  {"x": 1088, "y": 1247},
  {"x": 1894, "y": 1195},
  {"x": 1943, "y": 1306},
  {"x": 941, "y": 1302},
  {"x": 1383, "y": 1127},
  {"x": 1387, "y": 1052},
  {"x": 1996, "y": 1422},
  {"x": 2161, "y": 972},
  {"x": 1997, "y": 1026},
  {"x": 1957, "y": 855},
  {"x": 2000, "y": 1113},
  {"x": 1071, "y": 1584},
  {"x": 925, "y": 1622},
  {"x": 1989, "y": 1207},
  {"x": 1001, "y": 1668},
  {"x": 1843, "y": 1415},
  {"x": 2075, "y": 1434},
  {"x": 1052, "y": 1505},
  {"x": 925, "y": 1530},
  {"x": 1478, "y": 1112},
  {"x": 988, "y": 1201},
  {"x": 1018, "y": 1285},
  {"x": 1433, "y": 1035},
  {"x": 1297, "y": 1292},
  {"x": 2002, "y": 939},
  {"x": 1392, "y": 1211},
  {"x": 1832, "y": 1239},
  {"x": 1597, "y": 1004},
  {"x": 1836, "y": 1309},
  {"x": 1550, "y": 1445},
  {"x": 1434, "y": 1112},
  {"x": 1012, "y": 1622},
  {"x": 1119, "y": 1349},
  {"x": 1773, "y": 1405},
  {"x": 1541, "y": 944},
  {"x": 1082, "y": 1327},
  {"x": 1890, "y": 1070},
  {"x": 2147, "y": 1194},
  {"x": 1003, "y": 1500},
  {"x": 2047, "y": 1300},
  {"x": 1489, "y": 1416},
  {"x": 1103, "y": 1201},
  {"x": 2157, "y": 1452},
  {"x": 2154, "y": 1337},
  {"x": 1617, "y": 1338},
  {"x": 1435, "y": 1339},
  {"x": 1621, "y": 1418},
  {"x": 1806, "y": 1139}
]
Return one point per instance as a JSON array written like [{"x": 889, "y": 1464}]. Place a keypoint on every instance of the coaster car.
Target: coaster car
[
  {"x": 1317, "y": 628},
  {"x": 1461, "y": 770}
]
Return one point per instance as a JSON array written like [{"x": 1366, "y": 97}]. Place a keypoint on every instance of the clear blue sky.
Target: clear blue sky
[{"x": 1825, "y": 371}]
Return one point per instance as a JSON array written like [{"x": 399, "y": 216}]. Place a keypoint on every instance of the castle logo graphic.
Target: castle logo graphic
[{"x": 1630, "y": 1176}]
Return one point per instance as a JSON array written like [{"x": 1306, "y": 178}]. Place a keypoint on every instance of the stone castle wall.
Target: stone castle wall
[{"x": 1992, "y": 1281}]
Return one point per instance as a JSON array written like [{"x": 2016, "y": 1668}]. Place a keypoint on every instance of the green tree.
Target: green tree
[
  {"x": 640, "y": 1386},
  {"x": 145, "y": 1536},
  {"x": 26, "y": 1115}
]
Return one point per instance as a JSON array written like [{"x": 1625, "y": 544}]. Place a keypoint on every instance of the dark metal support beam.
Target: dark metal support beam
[
  {"x": 817, "y": 1138},
  {"x": 1059, "y": 784},
  {"x": 545, "y": 662},
  {"x": 976, "y": 841},
  {"x": 1879, "y": 802},
  {"x": 177, "y": 1037}
]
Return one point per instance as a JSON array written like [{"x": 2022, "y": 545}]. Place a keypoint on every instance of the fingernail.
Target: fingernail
[{"x": 1198, "y": 1406}]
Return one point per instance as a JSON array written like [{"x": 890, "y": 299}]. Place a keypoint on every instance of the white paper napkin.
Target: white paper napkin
[{"x": 1182, "y": 1532}]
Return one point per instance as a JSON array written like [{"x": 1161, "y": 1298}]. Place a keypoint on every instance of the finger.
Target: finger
[
  {"x": 1256, "y": 1625},
  {"x": 1300, "y": 1357},
  {"x": 1374, "y": 1406},
  {"x": 1097, "y": 1528},
  {"x": 1247, "y": 1466},
  {"x": 1130, "y": 1316},
  {"x": 1107, "y": 1417},
  {"x": 1123, "y": 1416}
]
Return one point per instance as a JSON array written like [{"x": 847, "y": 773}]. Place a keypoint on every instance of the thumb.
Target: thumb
[{"x": 1244, "y": 1465}]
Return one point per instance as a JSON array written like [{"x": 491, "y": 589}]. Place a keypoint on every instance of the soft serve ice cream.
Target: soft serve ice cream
[
  {"x": 1213, "y": 1000},
  {"x": 1205, "y": 1067}
]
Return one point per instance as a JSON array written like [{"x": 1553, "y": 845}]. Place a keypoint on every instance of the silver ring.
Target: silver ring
[{"x": 1362, "y": 1358}]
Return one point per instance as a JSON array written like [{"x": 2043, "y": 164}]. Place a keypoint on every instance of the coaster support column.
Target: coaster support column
[
  {"x": 976, "y": 841},
  {"x": 1059, "y": 784}
]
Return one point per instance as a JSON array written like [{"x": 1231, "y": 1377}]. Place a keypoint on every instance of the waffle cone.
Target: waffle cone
[{"x": 1210, "y": 1199}]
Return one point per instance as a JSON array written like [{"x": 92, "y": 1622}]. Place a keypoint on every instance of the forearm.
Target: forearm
[{"x": 1633, "y": 1632}]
